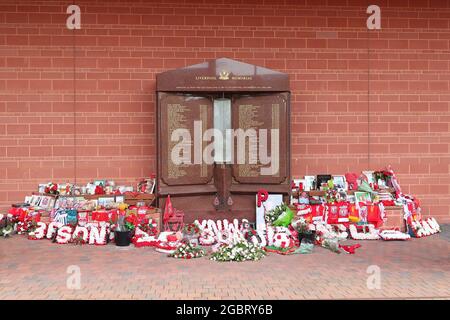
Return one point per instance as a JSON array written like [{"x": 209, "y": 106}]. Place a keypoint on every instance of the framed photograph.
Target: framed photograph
[
  {"x": 100, "y": 182},
  {"x": 41, "y": 188},
  {"x": 45, "y": 202},
  {"x": 340, "y": 182},
  {"x": 310, "y": 183},
  {"x": 105, "y": 201},
  {"x": 351, "y": 198},
  {"x": 146, "y": 185},
  {"x": 362, "y": 197},
  {"x": 272, "y": 201},
  {"x": 381, "y": 184},
  {"x": 120, "y": 199},
  {"x": 35, "y": 200},
  {"x": 297, "y": 183},
  {"x": 322, "y": 179},
  {"x": 62, "y": 189}
]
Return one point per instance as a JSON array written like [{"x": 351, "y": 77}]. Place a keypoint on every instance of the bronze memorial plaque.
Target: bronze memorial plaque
[
  {"x": 193, "y": 115},
  {"x": 264, "y": 119}
]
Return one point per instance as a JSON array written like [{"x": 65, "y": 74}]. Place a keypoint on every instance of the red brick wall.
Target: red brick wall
[{"x": 321, "y": 44}]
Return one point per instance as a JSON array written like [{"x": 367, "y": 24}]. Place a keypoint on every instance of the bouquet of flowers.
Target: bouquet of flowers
[
  {"x": 384, "y": 175},
  {"x": 301, "y": 225},
  {"x": 6, "y": 226},
  {"x": 188, "y": 251},
  {"x": 281, "y": 215},
  {"x": 273, "y": 214},
  {"x": 131, "y": 221},
  {"x": 241, "y": 251},
  {"x": 331, "y": 244}
]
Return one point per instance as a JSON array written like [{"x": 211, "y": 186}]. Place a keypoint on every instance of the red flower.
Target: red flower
[{"x": 132, "y": 219}]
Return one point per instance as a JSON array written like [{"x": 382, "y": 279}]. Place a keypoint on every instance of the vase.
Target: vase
[
  {"x": 122, "y": 238},
  {"x": 308, "y": 237}
]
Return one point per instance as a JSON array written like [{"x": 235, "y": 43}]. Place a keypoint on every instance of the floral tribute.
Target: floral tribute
[
  {"x": 423, "y": 228},
  {"x": 223, "y": 232},
  {"x": 241, "y": 251},
  {"x": 146, "y": 234},
  {"x": 188, "y": 251}
]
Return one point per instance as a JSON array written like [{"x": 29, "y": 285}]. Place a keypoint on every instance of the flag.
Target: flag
[{"x": 168, "y": 210}]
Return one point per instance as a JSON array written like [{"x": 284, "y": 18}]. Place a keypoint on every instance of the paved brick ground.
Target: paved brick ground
[{"x": 37, "y": 269}]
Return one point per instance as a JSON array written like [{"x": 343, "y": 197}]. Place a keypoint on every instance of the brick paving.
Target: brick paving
[{"x": 38, "y": 270}]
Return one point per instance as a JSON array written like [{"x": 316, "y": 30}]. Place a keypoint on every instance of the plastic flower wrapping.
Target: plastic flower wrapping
[
  {"x": 240, "y": 251},
  {"x": 188, "y": 251},
  {"x": 281, "y": 215}
]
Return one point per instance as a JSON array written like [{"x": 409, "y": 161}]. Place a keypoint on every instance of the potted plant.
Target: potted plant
[{"x": 124, "y": 230}]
